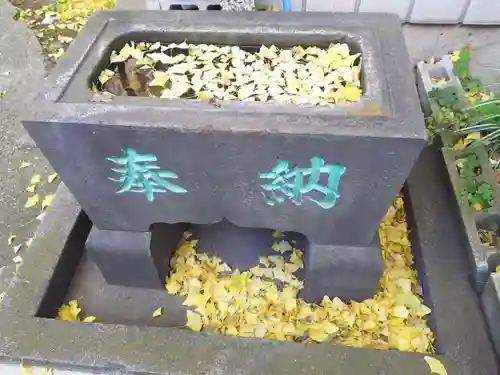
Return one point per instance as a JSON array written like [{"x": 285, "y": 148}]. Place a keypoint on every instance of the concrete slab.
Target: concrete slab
[
  {"x": 483, "y": 12},
  {"x": 21, "y": 74},
  {"x": 443, "y": 11}
]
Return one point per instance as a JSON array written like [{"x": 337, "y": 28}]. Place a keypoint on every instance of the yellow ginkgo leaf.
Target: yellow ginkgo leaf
[
  {"x": 455, "y": 56},
  {"x": 11, "y": 239},
  {"x": 400, "y": 312},
  {"x": 159, "y": 79},
  {"x": 51, "y": 178},
  {"x": 318, "y": 335},
  {"x": 28, "y": 241},
  {"x": 172, "y": 286},
  {"x": 24, "y": 164},
  {"x": 16, "y": 249},
  {"x": 32, "y": 201},
  {"x": 105, "y": 76},
  {"x": 17, "y": 260},
  {"x": 277, "y": 234},
  {"x": 26, "y": 370},
  {"x": 194, "y": 321},
  {"x": 89, "y": 319},
  {"x": 31, "y": 188},
  {"x": 282, "y": 247},
  {"x": 329, "y": 327},
  {"x": 158, "y": 312},
  {"x": 435, "y": 366},
  {"x": 351, "y": 94},
  {"x": 47, "y": 200},
  {"x": 71, "y": 311},
  {"x": 35, "y": 179},
  {"x": 45, "y": 371}
]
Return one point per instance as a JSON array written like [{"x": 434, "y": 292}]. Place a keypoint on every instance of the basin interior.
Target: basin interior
[{"x": 246, "y": 41}]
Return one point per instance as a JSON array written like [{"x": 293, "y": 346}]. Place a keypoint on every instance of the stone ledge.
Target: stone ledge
[{"x": 490, "y": 300}]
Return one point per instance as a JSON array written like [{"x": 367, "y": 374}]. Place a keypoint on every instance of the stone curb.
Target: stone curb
[
  {"x": 483, "y": 259},
  {"x": 490, "y": 301},
  {"x": 468, "y": 12},
  {"x": 426, "y": 72}
]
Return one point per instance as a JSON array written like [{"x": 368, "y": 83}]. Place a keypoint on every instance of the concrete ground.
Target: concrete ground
[{"x": 22, "y": 72}]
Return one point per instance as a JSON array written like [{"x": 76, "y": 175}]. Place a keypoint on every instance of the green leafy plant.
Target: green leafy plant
[
  {"x": 445, "y": 119},
  {"x": 447, "y": 97},
  {"x": 486, "y": 116},
  {"x": 478, "y": 194}
]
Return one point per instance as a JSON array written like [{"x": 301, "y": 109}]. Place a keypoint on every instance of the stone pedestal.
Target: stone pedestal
[
  {"x": 134, "y": 259},
  {"x": 346, "y": 272},
  {"x": 141, "y": 260}
]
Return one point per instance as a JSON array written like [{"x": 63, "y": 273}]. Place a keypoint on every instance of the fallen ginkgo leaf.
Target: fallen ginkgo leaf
[
  {"x": 24, "y": 164},
  {"x": 47, "y": 200},
  {"x": 35, "y": 179},
  {"x": 71, "y": 311},
  {"x": 194, "y": 321},
  {"x": 26, "y": 370},
  {"x": 52, "y": 177},
  {"x": 11, "y": 239},
  {"x": 32, "y": 201},
  {"x": 435, "y": 366},
  {"x": 158, "y": 312}
]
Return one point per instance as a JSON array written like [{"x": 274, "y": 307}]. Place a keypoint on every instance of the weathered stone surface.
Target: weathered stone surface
[
  {"x": 426, "y": 72},
  {"x": 135, "y": 259},
  {"x": 490, "y": 300},
  {"x": 444, "y": 11},
  {"x": 237, "y": 141},
  {"x": 483, "y": 258},
  {"x": 21, "y": 75},
  {"x": 124, "y": 258},
  {"x": 342, "y": 271}
]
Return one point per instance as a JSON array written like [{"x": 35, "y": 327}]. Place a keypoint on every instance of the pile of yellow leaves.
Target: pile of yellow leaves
[
  {"x": 298, "y": 75},
  {"x": 57, "y": 24},
  {"x": 250, "y": 304},
  {"x": 71, "y": 311}
]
